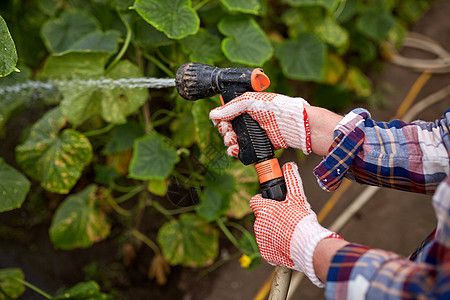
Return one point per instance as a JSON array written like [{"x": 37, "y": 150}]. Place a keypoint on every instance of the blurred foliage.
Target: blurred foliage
[{"x": 117, "y": 153}]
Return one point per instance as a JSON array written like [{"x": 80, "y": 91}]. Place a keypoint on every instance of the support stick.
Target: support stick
[{"x": 280, "y": 283}]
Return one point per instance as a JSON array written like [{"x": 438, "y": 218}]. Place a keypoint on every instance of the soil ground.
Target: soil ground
[{"x": 392, "y": 220}]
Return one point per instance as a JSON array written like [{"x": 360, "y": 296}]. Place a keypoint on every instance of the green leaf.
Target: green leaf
[
  {"x": 213, "y": 154},
  {"x": 80, "y": 103},
  {"x": 8, "y": 54},
  {"x": 78, "y": 222},
  {"x": 54, "y": 158},
  {"x": 202, "y": 47},
  {"x": 152, "y": 158},
  {"x": 119, "y": 103},
  {"x": 11, "y": 286},
  {"x": 183, "y": 129},
  {"x": 332, "y": 33},
  {"x": 412, "y": 10},
  {"x": 215, "y": 198},
  {"x": 335, "y": 69},
  {"x": 213, "y": 204},
  {"x": 81, "y": 291},
  {"x": 397, "y": 34},
  {"x": 366, "y": 50},
  {"x": 246, "y": 187},
  {"x": 248, "y": 243},
  {"x": 358, "y": 82},
  {"x": 303, "y": 58},
  {"x": 176, "y": 18},
  {"x": 328, "y": 4},
  {"x": 243, "y": 6},
  {"x": 105, "y": 174},
  {"x": 189, "y": 241},
  {"x": 122, "y": 138},
  {"x": 339, "y": 94},
  {"x": 375, "y": 23},
  {"x": 74, "y": 65},
  {"x": 75, "y": 32},
  {"x": 158, "y": 187},
  {"x": 147, "y": 36},
  {"x": 245, "y": 42},
  {"x": 14, "y": 187}
]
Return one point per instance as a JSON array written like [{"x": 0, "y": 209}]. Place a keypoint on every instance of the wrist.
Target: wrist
[
  {"x": 322, "y": 123},
  {"x": 323, "y": 254}
]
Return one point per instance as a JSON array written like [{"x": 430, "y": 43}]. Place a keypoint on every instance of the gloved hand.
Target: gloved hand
[
  {"x": 287, "y": 232},
  {"x": 283, "y": 118}
]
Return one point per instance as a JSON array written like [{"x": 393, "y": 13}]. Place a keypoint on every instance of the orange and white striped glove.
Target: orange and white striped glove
[
  {"x": 287, "y": 232},
  {"x": 283, "y": 118}
]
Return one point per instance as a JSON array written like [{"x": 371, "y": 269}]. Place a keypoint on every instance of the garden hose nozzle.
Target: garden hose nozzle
[{"x": 195, "y": 81}]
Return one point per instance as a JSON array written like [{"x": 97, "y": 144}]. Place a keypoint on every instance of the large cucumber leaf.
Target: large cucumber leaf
[
  {"x": 189, "y": 241},
  {"x": 78, "y": 221},
  {"x": 152, "y": 158},
  {"x": 176, "y": 18},
  {"x": 245, "y": 42},
  {"x": 54, "y": 158}
]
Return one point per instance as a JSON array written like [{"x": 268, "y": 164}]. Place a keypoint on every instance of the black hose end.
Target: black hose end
[{"x": 274, "y": 189}]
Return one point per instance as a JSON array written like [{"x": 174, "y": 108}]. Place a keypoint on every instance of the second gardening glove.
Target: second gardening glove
[
  {"x": 283, "y": 118},
  {"x": 287, "y": 232}
]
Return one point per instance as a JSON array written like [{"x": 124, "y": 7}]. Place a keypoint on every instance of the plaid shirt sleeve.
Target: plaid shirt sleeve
[
  {"x": 406, "y": 156},
  {"x": 357, "y": 272}
]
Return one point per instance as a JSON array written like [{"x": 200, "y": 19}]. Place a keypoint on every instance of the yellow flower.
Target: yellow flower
[{"x": 245, "y": 261}]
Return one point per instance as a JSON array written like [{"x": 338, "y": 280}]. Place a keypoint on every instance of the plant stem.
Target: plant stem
[
  {"x": 121, "y": 188},
  {"x": 237, "y": 226},
  {"x": 146, "y": 240},
  {"x": 200, "y": 4},
  {"x": 228, "y": 233},
  {"x": 99, "y": 131},
  {"x": 125, "y": 44},
  {"x": 34, "y": 288},
  {"x": 116, "y": 207},
  {"x": 159, "y": 64},
  {"x": 180, "y": 210},
  {"x": 147, "y": 117},
  {"x": 130, "y": 194},
  {"x": 164, "y": 58},
  {"x": 162, "y": 210}
]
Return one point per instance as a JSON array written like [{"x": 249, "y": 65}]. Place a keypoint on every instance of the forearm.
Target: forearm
[{"x": 322, "y": 123}]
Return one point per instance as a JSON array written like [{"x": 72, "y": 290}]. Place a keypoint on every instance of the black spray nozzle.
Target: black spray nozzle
[{"x": 195, "y": 81}]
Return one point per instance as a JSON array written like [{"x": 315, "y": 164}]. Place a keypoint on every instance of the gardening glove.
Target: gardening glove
[
  {"x": 287, "y": 232},
  {"x": 283, "y": 118}
]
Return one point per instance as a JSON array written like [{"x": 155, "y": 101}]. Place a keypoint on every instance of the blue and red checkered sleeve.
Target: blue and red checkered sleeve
[
  {"x": 406, "y": 156},
  {"x": 358, "y": 272}
]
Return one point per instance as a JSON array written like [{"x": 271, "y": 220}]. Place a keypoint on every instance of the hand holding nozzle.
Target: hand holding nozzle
[{"x": 195, "y": 81}]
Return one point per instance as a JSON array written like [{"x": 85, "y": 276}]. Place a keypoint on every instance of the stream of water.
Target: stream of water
[{"x": 102, "y": 83}]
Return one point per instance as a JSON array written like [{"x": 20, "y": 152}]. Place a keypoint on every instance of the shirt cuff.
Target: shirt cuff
[
  {"x": 352, "y": 269},
  {"x": 348, "y": 139}
]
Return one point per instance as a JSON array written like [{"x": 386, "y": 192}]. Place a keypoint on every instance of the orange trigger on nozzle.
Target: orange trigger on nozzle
[
  {"x": 221, "y": 100},
  {"x": 259, "y": 80}
]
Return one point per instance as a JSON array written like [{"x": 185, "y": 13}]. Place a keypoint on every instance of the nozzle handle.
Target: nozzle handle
[{"x": 255, "y": 148}]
